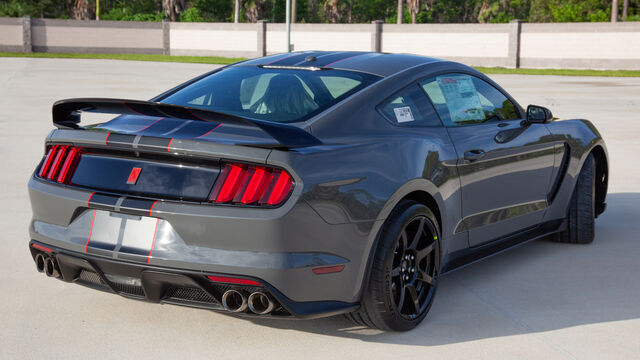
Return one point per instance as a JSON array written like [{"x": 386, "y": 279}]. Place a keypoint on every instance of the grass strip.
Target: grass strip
[{"x": 225, "y": 60}]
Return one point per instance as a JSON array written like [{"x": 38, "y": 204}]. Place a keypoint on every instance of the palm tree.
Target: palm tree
[
  {"x": 400, "y": 11},
  {"x": 625, "y": 10},
  {"x": 414, "y": 8},
  {"x": 614, "y": 10},
  {"x": 293, "y": 11},
  {"x": 172, "y": 8},
  {"x": 80, "y": 10},
  {"x": 254, "y": 9},
  {"x": 236, "y": 12},
  {"x": 312, "y": 7},
  {"x": 332, "y": 9}
]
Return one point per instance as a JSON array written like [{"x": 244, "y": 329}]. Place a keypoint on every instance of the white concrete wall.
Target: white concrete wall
[
  {"x": 352, "y": 37},
  {"x": 96, "y": 36},
  {"x": 624, "y": 45},
  {"x": 10, "y": 34},
  {"x": 581, "y": 45},
  {"x": 473, "y": 44},
  {"x": 562, "y": 45},
  {"x": 213, "y": 39}
]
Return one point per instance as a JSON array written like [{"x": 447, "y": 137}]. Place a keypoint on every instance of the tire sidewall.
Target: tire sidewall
[{"x": 389, "y": 240}]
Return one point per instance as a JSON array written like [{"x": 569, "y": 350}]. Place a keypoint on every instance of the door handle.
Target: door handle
[{"x": 474, "y": 155}]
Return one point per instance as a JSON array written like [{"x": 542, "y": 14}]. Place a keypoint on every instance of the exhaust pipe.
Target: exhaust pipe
[
  {"x": 260, "y": 303},
  {"x": 234, "y": 300},
  {"x": 40, "y": 260},
  {"x": 50, "y": 268}
]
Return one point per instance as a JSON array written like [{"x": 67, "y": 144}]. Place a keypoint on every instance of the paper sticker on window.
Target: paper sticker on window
[
  {"x": 403, "y": 114},
  {"x": 461, "y": 98}
]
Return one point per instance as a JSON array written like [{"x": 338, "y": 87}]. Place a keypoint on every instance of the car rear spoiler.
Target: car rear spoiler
[{"x": 66, "y": 116}]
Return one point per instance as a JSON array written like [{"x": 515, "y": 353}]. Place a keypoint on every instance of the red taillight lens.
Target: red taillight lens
[
  {"x": 226, "y": 187},
  {"x": 59, "y": 163},
  {"x": 47, "y": 161},
  {"x": 280, "y": 189},
  {"x": 72, "y": 155},
  {"x": 251, "y": 185}
]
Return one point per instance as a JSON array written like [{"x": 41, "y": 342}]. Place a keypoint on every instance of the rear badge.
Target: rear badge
[{"x": 133, "y": 176}]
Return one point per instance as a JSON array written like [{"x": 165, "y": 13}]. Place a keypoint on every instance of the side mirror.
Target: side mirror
[{"x": 538, "y": 114}]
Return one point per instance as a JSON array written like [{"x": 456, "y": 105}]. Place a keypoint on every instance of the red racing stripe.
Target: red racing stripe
[
  {"x": 150, "y": 125},
  {"x": 196, "y": 116},
  {"x": 89, "y": 199},
  {"x": 132, "y": 109},
  {"x": 90, "y": 230},
  {"x": 285, "y": 57},
  {"x": 208, "y": 132},
  {"x": 154, "y": 241},
  {"x": 349, "y": 57},
  {"x": 152, "y": 205}
]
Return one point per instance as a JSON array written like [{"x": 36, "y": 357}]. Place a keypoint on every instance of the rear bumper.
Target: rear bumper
[
  {"x": 173, "y": 286},
  {"x": 279, "y": 246}
]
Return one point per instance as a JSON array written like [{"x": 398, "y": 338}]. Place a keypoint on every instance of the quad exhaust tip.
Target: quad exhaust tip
[
  {"x": 50, "y": 267},
  {"x": 260, "y": 303},
  {"x": 40, "y": 262},
  {"x": 234, "y": 300}
]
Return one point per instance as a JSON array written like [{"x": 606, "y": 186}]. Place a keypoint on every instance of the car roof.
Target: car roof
[{"x": 381, "y": 64}]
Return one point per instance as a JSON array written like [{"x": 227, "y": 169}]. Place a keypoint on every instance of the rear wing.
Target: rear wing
[{"x": 66, "y": 116}]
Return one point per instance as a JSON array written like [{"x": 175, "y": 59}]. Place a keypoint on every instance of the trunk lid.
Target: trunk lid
[
  {"x": 146, "y": 176},
  {"x": 145, "y": 157}
]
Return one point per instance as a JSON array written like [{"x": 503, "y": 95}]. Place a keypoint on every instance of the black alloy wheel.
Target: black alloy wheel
[
  {"x": 415, "y": 267},
  {"x": 404, "y": 270}
]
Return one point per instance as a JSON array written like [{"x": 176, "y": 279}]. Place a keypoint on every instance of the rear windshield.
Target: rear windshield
[{"x": 281, "y": 95}]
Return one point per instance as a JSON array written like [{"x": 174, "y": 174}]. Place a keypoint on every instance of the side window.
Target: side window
[
  {"x": 463, "y": 99},
  {"x": 409, "y": 107}
]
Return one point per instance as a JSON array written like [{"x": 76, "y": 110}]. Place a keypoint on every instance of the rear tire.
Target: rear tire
[
  {"x": 404, "y": 273},
  {"x": 581, "y": 217}
]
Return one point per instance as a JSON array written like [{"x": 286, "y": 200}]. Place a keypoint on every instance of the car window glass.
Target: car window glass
[
  {"x": 199, "y": 100},
  {"x": 464, "y": 99},
  {"x": 252, "y": 89},
  {"x": 409, "y": 107},
  {"x": 338, "y": 85},
  {"x": 281, "y": 95}
]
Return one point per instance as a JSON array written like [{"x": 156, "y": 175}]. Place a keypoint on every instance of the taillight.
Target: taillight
[
  {"x": 251, "y": 185},
  {"x": 59, "y": 163}
]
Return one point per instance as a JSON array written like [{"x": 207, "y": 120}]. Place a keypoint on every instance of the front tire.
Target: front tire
[
  {"x": 581, "y": 217},
  {"x": 405, "y": 270}
]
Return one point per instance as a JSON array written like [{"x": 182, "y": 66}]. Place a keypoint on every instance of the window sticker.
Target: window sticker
[
  {"x": 461, "y": 98},
  {"x": 403, "y": 114}
]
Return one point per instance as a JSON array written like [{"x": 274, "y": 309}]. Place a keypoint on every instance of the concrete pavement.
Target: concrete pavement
[{"x": 541, "y": 300}]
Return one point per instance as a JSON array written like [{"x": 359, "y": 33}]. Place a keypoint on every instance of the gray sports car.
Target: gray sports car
[{"x": 309, "y": 184}]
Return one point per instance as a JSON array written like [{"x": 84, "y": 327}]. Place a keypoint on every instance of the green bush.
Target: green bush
[
  {"x": 579, "y": 10},
  {"x": 14, "y": 8},
  {"x": 117, "y": 14},
  {"x": 192, "y": 14},
  {"x": 356, "y": 11}
]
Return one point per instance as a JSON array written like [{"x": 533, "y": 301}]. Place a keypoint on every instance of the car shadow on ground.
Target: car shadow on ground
[{"x": 537, "y": 287}]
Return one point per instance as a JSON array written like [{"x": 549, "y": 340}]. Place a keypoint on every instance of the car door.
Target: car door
[{"x": 505, "y": 167}]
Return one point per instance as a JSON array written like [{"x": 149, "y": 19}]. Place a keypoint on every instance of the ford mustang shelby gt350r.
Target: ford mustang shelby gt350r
[{"x": 309, "y": 184}]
